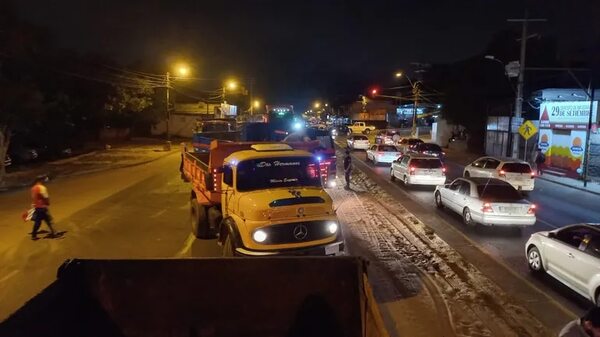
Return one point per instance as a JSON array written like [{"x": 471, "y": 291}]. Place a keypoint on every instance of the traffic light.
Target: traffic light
[{"x": 374, "y": 92}]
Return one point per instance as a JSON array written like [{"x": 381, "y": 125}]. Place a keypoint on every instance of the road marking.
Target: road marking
[
  {"x": 9, "y": 275},
  {"x": 187, "y": 247}
]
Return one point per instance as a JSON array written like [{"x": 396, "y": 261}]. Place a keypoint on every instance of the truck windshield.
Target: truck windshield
[{"x": 265, "y": 173}]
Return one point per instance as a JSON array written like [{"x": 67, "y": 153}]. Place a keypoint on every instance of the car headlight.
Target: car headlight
[
  {"x": 332, "y": 183},
  {"x": 297, "y": 126},
  {"x": 259, "y": 236},
  {"x": 332, "y": 227}
]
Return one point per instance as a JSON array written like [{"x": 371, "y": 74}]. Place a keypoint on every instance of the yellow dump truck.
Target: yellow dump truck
[
  {"x": 261, "y": 199},
  {"x": 222, "y": 297}
]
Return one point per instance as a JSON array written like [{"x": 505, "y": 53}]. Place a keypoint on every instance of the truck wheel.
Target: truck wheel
[
  {"x": 367, "y": 131},
  {"x": 214, "y": 220},
  {"x": 199, "y": 219},
  {"x": 228, "y": 247}
]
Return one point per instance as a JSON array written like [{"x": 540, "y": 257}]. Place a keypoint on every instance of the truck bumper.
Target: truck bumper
[{"x": 330, "y": 249}]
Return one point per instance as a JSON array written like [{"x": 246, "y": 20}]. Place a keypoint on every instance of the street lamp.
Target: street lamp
[
  {"x": 398, "y": 74},
  {"x": 232, "y": 85},
  {"x": 416, "y": 91},
  {"x": 317, "y": 105},
  {"x": 183, "y": 70}
]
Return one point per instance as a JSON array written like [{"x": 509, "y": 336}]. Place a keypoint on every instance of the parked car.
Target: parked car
[
  {"x": 407, "y": 144},
  {"x": 570, "y": 254},
  {"x": 387, "y": 137},
  {"x": 415, "y": 169},
  {"x": 486, "y": 201},
  {"x": 429, "y": 149},
  {"x": 358, "y": 142},
  {"x": 22, "y": 154},
  {"x": 382, "y": 154},
  {"x": 516, "y": 172}
]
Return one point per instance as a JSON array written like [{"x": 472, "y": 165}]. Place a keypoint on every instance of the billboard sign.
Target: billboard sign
[{"x": 567, "y": 115}]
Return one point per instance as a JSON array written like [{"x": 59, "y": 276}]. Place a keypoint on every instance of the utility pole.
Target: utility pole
[
  {"x": 588, "y": 141},
  {"x": 521, "y": 79},
  {"x": 415, "y": 91},
  {"x": 168, "y": 80}
]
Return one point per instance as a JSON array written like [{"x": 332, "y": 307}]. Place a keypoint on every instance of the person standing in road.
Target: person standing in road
[
  {"x": 586, "y": 326},
  {"x": 540, "y": 159},
  {"x": 347, "y": 168},
  {"x": 41, "y": 201}
]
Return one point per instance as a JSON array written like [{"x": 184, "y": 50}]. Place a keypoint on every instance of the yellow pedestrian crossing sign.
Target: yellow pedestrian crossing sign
[{"x": 527, "y": 130}]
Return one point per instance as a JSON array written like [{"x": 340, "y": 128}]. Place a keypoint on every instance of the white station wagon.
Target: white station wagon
[
  {"x": 516, "y": 172},
  {"x": 570, "y": 254},
  {"x": 416, "y": 169},
  {"x": 358, "y": 142},
  {"x": 486, "y": 201},
  {"x": 382, "y": 154}
]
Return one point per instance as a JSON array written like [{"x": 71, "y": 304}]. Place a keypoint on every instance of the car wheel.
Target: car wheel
[
  {"x": 367, "y": 131},
  {"x": 534, "y": 260},
  {"x": 405, "y": 181},
  {"x": 598, "y": 297},
  {"x": 467, "y": 218},
  {"x": 467, "y": 174},
  {"x": 375, "y": 162},
  {"x": 200, "y": 226},
  {"x": 392, "y": 176},
  {"x": 438, "y": 200},
  {"x": 228, "y": 247}
]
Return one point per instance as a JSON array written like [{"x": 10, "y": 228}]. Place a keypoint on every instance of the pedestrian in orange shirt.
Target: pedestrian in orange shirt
[{"x": 41, "y": 201}]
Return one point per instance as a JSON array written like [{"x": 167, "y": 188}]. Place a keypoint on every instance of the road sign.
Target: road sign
[{"x": 527, "y": 130}]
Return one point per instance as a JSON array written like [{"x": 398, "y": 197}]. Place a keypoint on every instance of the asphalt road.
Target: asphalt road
[
  {"x": 557, "y": 206},
  {"x": 135, "y": 212}
]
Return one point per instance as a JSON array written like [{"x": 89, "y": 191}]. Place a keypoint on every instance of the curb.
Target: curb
[
  {"x": 80, "y": 173},
  {"x": 571, "y": 186},
  {"x": 68, "y": 160}
]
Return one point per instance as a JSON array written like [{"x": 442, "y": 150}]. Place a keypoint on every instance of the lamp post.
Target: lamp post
[
  {"x": 416, "y": 91},
  {"x": 183, "y": 71}
]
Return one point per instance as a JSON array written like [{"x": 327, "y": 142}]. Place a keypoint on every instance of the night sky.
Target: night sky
[{"x": 300, "y": 51}]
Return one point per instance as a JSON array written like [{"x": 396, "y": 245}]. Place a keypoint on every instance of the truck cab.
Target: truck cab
[{"x": 273, "y": 202}]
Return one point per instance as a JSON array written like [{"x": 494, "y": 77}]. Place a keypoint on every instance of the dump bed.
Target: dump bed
[{"x": 285, "y": 296}]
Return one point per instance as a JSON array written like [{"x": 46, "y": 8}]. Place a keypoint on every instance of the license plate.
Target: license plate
[
  {"x": 333, "y": 249},
  {"x": 508, "y": 209}
]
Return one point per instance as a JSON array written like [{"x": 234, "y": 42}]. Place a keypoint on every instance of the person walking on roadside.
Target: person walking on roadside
[
  {"x": 586, "y": 326},
  {"x": 347, "y": 168},
  {"x": 540, "y": 159},
  {"x": 40, "y": 201}
]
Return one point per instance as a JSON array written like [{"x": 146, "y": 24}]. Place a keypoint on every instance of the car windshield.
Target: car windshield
[
  {"x": 361, "y": 138},
  {"x": 430, "y": 147},
  {"x": 414, "y": 141},
  {"x": 387, "y": 148},
  {"x": 498, "y": 193},
  {"x": 426, "y": 163},
  {"x": 516, "y": 168},
  {"x": 265, "y": 173}
]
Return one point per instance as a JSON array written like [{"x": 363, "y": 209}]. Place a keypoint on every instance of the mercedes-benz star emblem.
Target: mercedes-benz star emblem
[{"x": 300, "y": 232}]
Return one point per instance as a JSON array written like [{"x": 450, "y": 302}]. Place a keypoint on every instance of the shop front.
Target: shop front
[{"x": 562, "y": 134}]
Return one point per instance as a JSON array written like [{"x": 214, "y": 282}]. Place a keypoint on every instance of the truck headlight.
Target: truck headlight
[
  {"x": 332, "y": 183},
  {"x": 332, "y": 227},
  {"x": 259, "y": 236}
]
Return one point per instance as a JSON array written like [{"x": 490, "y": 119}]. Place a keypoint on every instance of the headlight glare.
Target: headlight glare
[
  {"x": 332, "y": 227},
  {"x": 259, "y": 236}
]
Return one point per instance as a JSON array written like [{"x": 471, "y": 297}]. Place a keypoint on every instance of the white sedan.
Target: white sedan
[
  {"x": 358, "y": 142},
  {"x": 382, "y": 154},
  {"x": 416, "y": 169},
  {"x": 570, "y": 254},
  {"x": 485, "y": 201}
]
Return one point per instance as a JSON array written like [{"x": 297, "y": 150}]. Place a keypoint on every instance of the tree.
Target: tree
[{"x": 130, "y": 103}]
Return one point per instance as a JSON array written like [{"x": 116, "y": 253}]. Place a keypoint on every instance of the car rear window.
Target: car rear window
[
  {"x": 426, "y": 163},
  {"x": 361, "y": 138},
  {"x": 498, "y": 193},
  {"x": 516, "y": 167},
  {"x": 414, "y": 141},
  {"x": 430, "y": 147},
  {"x": 387, "y": 148}
]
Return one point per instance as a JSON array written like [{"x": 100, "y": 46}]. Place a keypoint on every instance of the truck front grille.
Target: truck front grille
[{"x": 297, "y": 232}]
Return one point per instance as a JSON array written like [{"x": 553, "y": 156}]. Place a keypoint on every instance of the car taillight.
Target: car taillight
[
  {"x": 532, "y": 174},
  {"x": 412, "y": 170},
  {"x": 487, "y": 208},
  {"x": 443, "y": 170},
  {"x": 502, "y": 173},
  {"x": 531, "y": 209}
]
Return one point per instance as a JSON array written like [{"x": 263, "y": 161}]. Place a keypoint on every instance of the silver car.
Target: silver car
[
  {"x": 358, "y": 142},
  {"x": 570, "y": 254},
  {"x": 486, "y": 201}
]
